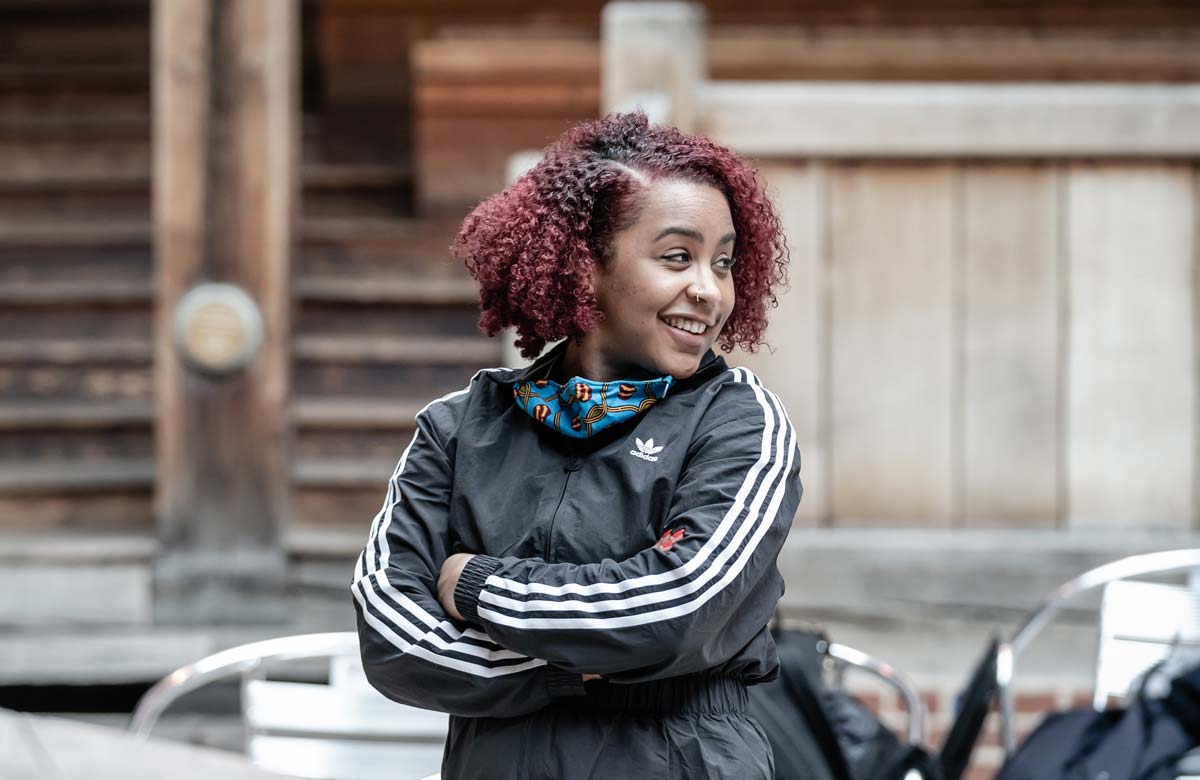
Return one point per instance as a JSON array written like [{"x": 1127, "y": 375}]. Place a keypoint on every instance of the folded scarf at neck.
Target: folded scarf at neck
[{"x": 580, "y": 408}]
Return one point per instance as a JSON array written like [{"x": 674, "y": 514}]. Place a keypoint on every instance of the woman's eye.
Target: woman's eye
[
  {"x": 678, "y": 257},
  {"x": 725, "y": 263}
]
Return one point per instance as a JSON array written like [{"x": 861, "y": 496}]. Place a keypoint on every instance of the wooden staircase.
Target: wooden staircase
[
  {"x": 382, "y": 322},
  {"x": 75, "y": 416}
]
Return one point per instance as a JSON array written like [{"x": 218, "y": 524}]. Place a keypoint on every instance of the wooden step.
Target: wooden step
[
  {"x": 421, "y": 379},
  {"x": 395, "y": 349},
  {"x": 383, "y": 441},
  {"x": 401, "y": 291},
  {"x": 54, "y": 293},
  {"x": 65, "y": 179},
  {"x": 356, "y": 247},
  {"x": 21, "y": 96},
  {"x": 138, "y": 474},
  {"x": 357, "y": 189},
  {"x": 94, "y": 157},
  {"x": 316, "y": 177},
  {"x": 347, "y": 505},
  {"x": 74, "y": 99},
  {"x": 96, "y": 262},
  {"x": 48, "y": 78},
  {"x": 58, "y": 444},
  {"x": 336, "y": 543},
  {"x": 72, "y": 351},
  {"x": 76, "y": 476},
  {"x": 342, "y": 473},
  {"x": 28, "y": 548},
  {"x": 354, "y": 413},
  {"x": 77, "y": 232},
  {"x": 69, "y": 203},
  {"x": 418, "y": 229},
  {"x": 92, "y": 380},
  {"x": 74, "y": 414},
  {"x": 384, "y": 320},
  {"x": 96, "y": 511},
  {"x": 326, "y": 176},
  {"x": 39, "y": 128},
  {"x": 78, "y": 176},
  {"x": 426, "y": 236},
  {"x": 91, "y": 35},
  {"x": 397, "y": 291}
]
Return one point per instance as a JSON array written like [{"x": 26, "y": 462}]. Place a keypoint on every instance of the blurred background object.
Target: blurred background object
[{"x": 988, "y": 346}]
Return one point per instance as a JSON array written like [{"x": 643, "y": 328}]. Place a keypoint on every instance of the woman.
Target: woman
[{"x": 577, "y": 560}]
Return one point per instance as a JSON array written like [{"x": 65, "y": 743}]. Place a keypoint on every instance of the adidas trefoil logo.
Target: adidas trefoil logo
[{"x": 646, "y": 450}]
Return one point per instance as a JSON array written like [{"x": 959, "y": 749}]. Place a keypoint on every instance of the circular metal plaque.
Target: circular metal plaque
[{"x": 217, "y": 328}]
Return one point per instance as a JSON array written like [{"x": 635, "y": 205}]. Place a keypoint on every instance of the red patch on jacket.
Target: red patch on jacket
[
  {"x": 576, "y": 424},
  {"x": 541, "y": 382},
  {"x": 625, "y": 392},
  {"x": 668, "y": 539},
  {"x": 582, "y": 392},
  {"x": 541, "y": 412}
]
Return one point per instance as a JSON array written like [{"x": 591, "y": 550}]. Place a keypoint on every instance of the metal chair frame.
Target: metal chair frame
[
  {"x": 245, "y": 660},
  {"x": 1122, "y": 569},
  {"x": 249, "y": 661},
  {"x": 845, "y": 656}
]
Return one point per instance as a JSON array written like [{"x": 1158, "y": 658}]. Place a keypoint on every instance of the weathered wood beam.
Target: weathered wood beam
[
  {"x": 225, "y": 178},
  {"x": 639, "y": 72},
  {"x": 946, "y": 121}
]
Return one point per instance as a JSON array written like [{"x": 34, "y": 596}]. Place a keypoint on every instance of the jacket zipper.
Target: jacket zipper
[{"x": 571, "y": 467}]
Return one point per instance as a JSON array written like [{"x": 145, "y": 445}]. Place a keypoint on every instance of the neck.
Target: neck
[{"x": 579, "y": 360}]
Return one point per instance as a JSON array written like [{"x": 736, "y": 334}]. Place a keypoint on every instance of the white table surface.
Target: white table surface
[{"x": 44, "y": 748}]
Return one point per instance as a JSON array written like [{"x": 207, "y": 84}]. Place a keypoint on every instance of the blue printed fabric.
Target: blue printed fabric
[{"x": 580, "y": 408}]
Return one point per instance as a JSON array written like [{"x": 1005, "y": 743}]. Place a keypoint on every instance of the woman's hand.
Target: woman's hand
[{"x": 452, "y": 569}]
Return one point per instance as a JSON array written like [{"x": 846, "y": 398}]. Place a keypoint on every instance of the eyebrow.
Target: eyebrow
[{"x": 692, "y": 234}]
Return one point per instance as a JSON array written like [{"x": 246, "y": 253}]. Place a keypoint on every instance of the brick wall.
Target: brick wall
[{"x": 1031, "y": 705}]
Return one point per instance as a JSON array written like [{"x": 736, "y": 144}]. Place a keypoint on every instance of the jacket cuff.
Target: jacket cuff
[
  {"x": 470, "y": 583},
  {"x": 560, "y": 682}
]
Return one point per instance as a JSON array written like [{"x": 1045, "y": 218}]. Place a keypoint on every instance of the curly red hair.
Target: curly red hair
[{"x": 532, "y": 247}]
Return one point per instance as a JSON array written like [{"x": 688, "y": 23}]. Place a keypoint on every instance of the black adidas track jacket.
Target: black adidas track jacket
[{"x": 644, "y": 552}]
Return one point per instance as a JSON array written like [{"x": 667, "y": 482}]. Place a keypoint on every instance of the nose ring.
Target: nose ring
[{"x": 697, "y": 294}]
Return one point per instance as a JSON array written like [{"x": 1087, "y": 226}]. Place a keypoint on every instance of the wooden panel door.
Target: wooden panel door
[
  {"x": 1010, "y": 342},
  {"x": 1132, "y": 365},
  {"x": 891, "y": 262}
]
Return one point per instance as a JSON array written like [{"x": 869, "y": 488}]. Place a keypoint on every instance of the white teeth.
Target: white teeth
[{"x": 691, "y": 326}]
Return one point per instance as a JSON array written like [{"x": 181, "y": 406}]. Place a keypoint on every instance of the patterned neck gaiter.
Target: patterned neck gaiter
[{"x": 580, "y": 407}]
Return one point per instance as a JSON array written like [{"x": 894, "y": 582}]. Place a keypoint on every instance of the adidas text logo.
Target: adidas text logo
[{"x": 646, "y": 450}]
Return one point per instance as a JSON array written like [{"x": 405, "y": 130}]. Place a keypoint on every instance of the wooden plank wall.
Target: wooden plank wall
[
  {"x": 990, "y": 344},
  {"x": 482, "y": 91}
]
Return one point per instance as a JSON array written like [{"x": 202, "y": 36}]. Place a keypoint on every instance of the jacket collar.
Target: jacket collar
[
  {"x": 538, "y": 369},
  {"x": 710, "y": 365}
]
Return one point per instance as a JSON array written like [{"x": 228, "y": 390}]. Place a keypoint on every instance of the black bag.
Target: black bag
[
  {"x": 1145, "y": 741},
  {"x": 822, "y": 734},
  {"x": 818, "y": 733}
]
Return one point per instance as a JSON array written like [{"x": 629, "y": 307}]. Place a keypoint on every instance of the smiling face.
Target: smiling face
[{"x": 680, "y": 247}]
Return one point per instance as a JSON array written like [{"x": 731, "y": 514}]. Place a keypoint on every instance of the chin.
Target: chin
[{"x": 682, "y": 369}]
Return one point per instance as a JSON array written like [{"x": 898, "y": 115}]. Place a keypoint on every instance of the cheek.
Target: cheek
[{"x": 729, "y": 296}]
